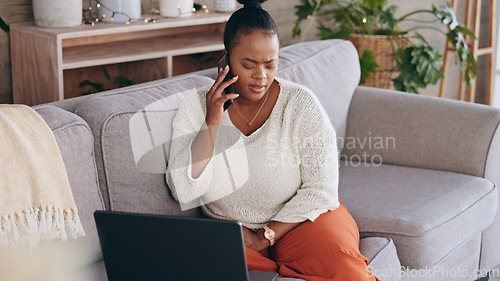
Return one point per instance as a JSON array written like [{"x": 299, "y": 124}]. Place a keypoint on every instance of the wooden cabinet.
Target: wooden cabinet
[{"x": 49, "y": 63}]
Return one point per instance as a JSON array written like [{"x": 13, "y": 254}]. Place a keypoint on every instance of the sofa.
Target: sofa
[{"x": 419, "y": 174}]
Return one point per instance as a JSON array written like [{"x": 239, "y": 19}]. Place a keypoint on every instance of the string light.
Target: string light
[{"x": 91, "y": 19}]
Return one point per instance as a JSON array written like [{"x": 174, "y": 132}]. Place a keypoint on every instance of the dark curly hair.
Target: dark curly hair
[{"x": 246, "y": 20}]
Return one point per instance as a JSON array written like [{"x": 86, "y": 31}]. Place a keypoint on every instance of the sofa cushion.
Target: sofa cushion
[
  {"x": 382, "y": 256},
  {"x": 428, "y": 213},
  {"x": 75, "y": 142},
  {"x": 132, "y": 129},
  {"x": 330, "y": 68}
]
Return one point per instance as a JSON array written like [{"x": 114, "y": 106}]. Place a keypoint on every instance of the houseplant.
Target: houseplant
[{"x": 417, "y": 64}]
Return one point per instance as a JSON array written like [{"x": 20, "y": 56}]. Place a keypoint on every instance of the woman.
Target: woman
[{"x": 269, "y": 161}]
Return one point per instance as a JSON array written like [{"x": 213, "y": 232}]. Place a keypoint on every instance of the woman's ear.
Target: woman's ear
[{"x": 224, "y": 52}]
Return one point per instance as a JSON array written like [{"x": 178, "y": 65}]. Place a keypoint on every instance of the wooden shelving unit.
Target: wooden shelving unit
[
  {"x": 473, "y": 13},
  {"x": 45, "y": 59}
]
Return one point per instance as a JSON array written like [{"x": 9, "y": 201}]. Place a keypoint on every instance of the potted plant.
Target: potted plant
[{"x": 414, "y": 62}]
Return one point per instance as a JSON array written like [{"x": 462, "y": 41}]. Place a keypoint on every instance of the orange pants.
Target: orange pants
[{"x": 326, "y": 249}]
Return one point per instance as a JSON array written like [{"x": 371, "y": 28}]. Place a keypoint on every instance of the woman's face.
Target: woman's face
[{"x": 255, "y": 61}]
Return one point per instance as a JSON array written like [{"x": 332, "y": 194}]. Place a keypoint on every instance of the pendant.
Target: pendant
[{"x": 249, "y": 124}]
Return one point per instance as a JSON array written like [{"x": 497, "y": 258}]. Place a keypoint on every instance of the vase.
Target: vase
[
  {"x": 225, "y": 6},
  {"x": 57, "y": 13},
  {"x": 119, "y": 10},
  {"x": 383, "y": 47},
  {"x": 176, "y": 8}
]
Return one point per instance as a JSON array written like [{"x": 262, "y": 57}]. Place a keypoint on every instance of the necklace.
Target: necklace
[{"x": 250, "y": 123}]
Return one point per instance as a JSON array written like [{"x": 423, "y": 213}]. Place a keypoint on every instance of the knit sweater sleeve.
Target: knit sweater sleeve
[
  {"x": 222, "y": 175},
  {"x": 185, "y": 126},
  {"x": 318, "y": 164}
]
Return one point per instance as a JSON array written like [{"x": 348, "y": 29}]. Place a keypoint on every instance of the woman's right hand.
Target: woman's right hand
[{"x": 215, "y": 99}]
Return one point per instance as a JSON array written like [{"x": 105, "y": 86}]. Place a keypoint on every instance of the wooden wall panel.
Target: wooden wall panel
[
  {"x": 137, "y": 72},
  {"x": 11, "y": 11},
  {"x": 43, "y": 87}
]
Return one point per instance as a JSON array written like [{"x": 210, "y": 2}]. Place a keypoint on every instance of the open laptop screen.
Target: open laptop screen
[{"x": 140, "y": 247}]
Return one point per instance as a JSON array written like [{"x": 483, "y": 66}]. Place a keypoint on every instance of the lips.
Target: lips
[{"x": 257, "y": 88}]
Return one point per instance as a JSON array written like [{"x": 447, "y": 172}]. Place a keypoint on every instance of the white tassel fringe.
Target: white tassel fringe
[{"x": 38, "y": 225}]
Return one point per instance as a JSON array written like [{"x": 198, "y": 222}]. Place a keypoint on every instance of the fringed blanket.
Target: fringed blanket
[{"x": 36, "y": 202}]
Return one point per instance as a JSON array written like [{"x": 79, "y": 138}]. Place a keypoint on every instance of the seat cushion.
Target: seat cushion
[
  {"x": 75, "y": 142},
  {"x": 382, "y": 256},
  {"x": 427, "y": 213},
  {"x": 132, "y": 131}
]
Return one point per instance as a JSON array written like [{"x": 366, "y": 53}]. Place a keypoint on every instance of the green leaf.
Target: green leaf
[
  {"x": 408, "y": 79},
  {"x": 427, "y": 60},
  {"x": 374, "y": 4},
  {"x": 107, "y": 78},
  {"x": 388, "y": 17},
  {"x": 464, "y": 30},
  {"x": 446, "y": 15},
  {"x": 368, "y": 65},
  {"x": 303, "y": 11},
  {"x": 85, "y": 83},
  {"x": 4, "y": 26},
  {"x": 327, "y": 33},
  {"x": 207, "y": 60},
  {"x": 344, "y": 32},
  {"x": 98, "y": 88},
  {"x": 123, "y": 81}
]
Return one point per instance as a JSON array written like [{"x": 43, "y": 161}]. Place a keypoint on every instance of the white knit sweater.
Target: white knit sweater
[{"x": 285, "y": 171}]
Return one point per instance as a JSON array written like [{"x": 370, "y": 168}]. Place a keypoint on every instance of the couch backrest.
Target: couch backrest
[
  {"x": 131, "y": 128},
  {"x": 330, "y": 68},
  {"x": 75, "y": 142}
]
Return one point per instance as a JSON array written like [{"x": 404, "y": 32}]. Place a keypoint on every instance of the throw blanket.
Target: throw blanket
[{"x": 36, "y": 202}]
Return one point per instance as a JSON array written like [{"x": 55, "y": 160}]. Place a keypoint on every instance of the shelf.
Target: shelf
[
  {"x": 106, "y": 28},
  {"x": 135, "y": 50},
  {"x": 59, "y": 58}
]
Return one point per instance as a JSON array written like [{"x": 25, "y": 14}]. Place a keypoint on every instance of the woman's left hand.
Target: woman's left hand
[{"x": 254, "y": 241}]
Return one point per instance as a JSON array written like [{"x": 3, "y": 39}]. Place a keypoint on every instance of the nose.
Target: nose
[{"x": 259, "y": 73}]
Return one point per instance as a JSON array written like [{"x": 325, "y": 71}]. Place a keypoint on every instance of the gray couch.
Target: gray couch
[{"x": 418, "y": 174}]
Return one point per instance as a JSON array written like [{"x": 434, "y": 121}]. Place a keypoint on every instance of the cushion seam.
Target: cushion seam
[
  {"x": 153, "y": 85},
  {"x": 93, "y": 155}
]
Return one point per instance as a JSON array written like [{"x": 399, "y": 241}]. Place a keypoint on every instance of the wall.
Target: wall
[
  {"x": 496, "y": 97},
  {"x": 281, "y": 10}
]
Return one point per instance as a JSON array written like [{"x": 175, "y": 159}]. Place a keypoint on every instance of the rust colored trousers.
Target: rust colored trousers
[{"x": 326, "y": 249}]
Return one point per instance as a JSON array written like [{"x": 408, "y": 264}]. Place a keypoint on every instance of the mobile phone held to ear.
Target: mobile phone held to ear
[{"x": 222, "y": 64}]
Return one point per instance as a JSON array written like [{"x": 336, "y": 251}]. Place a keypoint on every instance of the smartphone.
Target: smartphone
[{"x": 222, "y": 64}]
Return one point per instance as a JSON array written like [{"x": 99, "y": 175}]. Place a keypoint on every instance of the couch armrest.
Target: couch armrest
[{"x": 425, "y": 132}]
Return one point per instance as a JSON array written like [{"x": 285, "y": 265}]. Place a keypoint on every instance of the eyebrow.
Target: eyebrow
[{"x": 254, "y": 61}]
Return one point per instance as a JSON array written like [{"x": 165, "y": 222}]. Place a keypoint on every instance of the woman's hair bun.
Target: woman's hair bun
[{"x": 252, "y": 3}]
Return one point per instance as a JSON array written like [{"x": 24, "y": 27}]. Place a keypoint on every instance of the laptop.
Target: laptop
[{"x": 145, "y": 247}]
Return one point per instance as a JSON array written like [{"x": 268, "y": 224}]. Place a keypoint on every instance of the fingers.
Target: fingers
[
  {"x": 220, "y": 78},
  {"x": 217, "y": 96}
]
